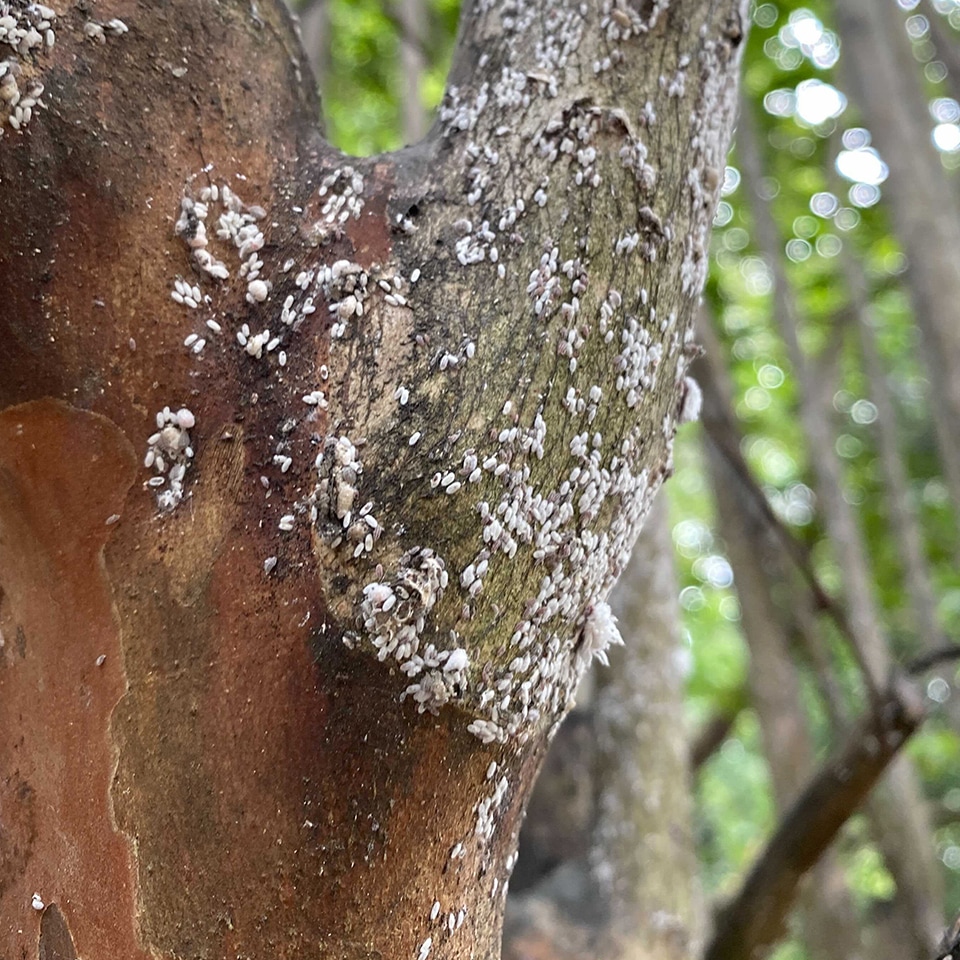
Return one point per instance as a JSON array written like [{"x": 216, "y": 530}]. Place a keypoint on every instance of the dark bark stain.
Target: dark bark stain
[
  {"x": 55, "y": 940},
  {"x": 18, "y": 828}
]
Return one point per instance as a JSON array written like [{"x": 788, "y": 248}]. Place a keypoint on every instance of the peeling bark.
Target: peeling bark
[{"x": 333, "y": 460}]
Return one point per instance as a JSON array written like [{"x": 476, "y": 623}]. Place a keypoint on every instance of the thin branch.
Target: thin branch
[
  {"x": 901, "y": 512},
  {"x": 808, "y": 639},
  {"x": 755, "y": 919},
  {"x": 711, "y": 735},
  {"x": 826, "y": 915},
  {"x": 723, "y": 432},
  {"x": 932, "y": 658}
]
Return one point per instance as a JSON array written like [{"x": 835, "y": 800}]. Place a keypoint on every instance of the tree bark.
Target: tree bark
[
  {"x": 315, "y": 472},
  {"x": 614, "y": 813},
  {"x": 754, "y": 920},
  {"x": 412, "y": 17},
  {"x": 901, "y": 509},
  {"x": 643, "y": 853},
  {"x": 314, "y": 17}
]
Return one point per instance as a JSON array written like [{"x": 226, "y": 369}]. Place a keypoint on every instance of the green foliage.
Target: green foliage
[
  {"x": 789, "y": 950},
  {"x": 868, "y": 876},
  {"x": 735, "y": 812},
  {"x": 360, "y": 102},
  {"x": 363, "y": 85},
  {"x": 798, "y": 163}
]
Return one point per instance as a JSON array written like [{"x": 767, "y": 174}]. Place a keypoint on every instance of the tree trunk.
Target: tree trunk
[
  {"x": 644, "y": 856},
  {"x": 314, "y": 18},
  {"x": 609, "y": 824},
  {"x": 315, "y": 472},
  {"x": 412, "y": 16}
]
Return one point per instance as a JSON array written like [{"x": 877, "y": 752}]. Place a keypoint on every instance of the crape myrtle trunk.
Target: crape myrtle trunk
[{"x": 315, "y": 472}]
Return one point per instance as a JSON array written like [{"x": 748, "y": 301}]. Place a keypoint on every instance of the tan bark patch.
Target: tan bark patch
[{"x": 63, "y": 473}]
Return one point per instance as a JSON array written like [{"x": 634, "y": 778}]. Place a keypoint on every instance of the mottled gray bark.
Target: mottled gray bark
[
  {"x": 316, "y": 471},
  {"x": 613, "y": 808}
]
